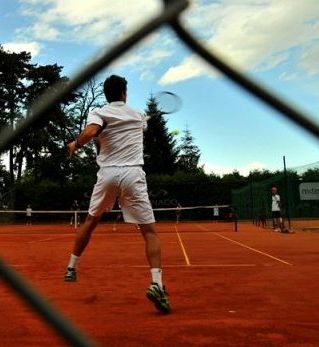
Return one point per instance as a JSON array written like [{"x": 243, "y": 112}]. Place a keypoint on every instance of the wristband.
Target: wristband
[{"x": 77, "y": 145}]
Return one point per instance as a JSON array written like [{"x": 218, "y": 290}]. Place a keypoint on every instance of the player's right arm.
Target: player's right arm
[
  {"x": 89, "y": 132},
  {"x": 278, "y": 202}
]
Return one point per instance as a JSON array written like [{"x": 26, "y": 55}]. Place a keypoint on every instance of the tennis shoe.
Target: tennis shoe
[
  {"x": 159, "y": 298},
  {"x": 70, "y": 275}
]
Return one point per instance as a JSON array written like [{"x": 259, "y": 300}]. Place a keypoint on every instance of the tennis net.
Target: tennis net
[{"x": 221, "y": 216}]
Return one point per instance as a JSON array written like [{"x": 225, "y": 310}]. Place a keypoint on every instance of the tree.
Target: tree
[
  {"x": 159, "y": 145},
  {"x": 21, "y": 84},
  {"x": 45, "y": 140},
  {"x": 67, "y": 121},
  {"x": 189, "y": 153},
  {"x": 4, "y": 183},
  {"x": 311, "y": 175},
  {"x": 235, "y": 179},
  {"x": 13, "y": 69},
  {"x": 259, "y": 175},
  {"x": 89, "y": 96}
]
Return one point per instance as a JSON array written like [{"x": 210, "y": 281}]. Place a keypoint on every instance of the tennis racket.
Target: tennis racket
[{"x": 167, "y": 103}]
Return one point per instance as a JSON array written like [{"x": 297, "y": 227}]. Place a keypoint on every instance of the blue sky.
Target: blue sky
[{"x": 274, "y": 41}]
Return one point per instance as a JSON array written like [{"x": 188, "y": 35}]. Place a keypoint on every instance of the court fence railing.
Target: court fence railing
[{"x": 254, "y": 200}]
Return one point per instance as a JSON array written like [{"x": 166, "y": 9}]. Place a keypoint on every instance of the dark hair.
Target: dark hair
[{"x": 114, "y": 86}]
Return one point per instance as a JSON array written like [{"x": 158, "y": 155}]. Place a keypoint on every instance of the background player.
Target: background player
[
  {"x": 28, "y": 214},
  {"x": 276, "y": 210},
  {"x": 75, "y": 207},
  {"x": 178, "y": 212}
]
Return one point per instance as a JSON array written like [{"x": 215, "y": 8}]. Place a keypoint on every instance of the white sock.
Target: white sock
[
  {"x": 73, "y": 261},
  {"x": 157, "y": 276}
]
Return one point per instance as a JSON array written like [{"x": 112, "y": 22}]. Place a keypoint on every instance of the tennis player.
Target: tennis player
[
  {"x": 120, "y": 176},
  {"x": 28, "y": 215},
  {"x": 276, "y": 210},
  {"x": 178, "y": 212},
  {"x": 75, "y": 207}
]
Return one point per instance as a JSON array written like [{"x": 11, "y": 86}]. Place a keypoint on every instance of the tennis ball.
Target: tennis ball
[{"x": 175, "y": 132}]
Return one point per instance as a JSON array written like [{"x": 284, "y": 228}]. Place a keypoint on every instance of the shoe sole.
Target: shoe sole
[
  {"x": 164, "y": 308},
  {"x": 69, "y": 279}
]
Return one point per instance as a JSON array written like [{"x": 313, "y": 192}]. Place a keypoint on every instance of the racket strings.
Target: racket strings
[{"x": 168, "y": 102}]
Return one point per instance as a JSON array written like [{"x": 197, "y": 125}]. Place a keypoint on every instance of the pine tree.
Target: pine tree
[
  {"x": 160, "y": 152},
  {"x": 189, "y": 153}
]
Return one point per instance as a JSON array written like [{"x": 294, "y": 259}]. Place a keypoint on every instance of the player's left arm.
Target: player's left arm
[
  {"x": 89, "y": 132},
  {"x": 144, "y": 120}
]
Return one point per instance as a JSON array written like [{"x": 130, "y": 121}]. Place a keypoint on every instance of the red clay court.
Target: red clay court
[{"x": 253, "y": 287}]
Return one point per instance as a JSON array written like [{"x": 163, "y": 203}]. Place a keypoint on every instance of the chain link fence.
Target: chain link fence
[
  {"x": 254, "y": 200},
  {"x": 169, "y": 16}
]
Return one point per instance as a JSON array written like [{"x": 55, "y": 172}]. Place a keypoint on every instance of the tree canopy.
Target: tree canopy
[
  {"x": 160, "y": 152},
  {"x": 189, "y": 153}
]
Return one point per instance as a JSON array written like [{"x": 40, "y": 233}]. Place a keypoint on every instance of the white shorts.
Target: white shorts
[{"x": 128, "y": 183}]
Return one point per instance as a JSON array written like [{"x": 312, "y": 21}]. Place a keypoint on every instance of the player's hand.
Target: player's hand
[{"x": 71, "y": 148}]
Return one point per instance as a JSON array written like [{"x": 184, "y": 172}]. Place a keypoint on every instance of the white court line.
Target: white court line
[
  {"x": 248, "y": 247},
  {"x": 116, "y": 266},
  {"x": 182, "y": 247},
  {"x": 223, "y": 265},
  {"x": 48, "y": 239},
  {"x": 184, "y": 265}
]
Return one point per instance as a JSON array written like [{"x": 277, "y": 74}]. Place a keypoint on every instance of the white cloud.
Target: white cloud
[
  {"x": 150, "y": 53},
  {"x": 42, "y": 31},
  {"x": 144, "y": 61},
  {"x": 254, "y": 35},
  {"x": 288, "y": 76},
  {"x": 99, "y": 23},
  {"x": 37, "y": 2},
  {"x": 147, "y": 75},
  {"x": 95, "y": 20},
  {"x": 310, "y": 60},
  {"x": 18, "y": 47},
  {"x": 219, "y": 170},
  {"x": 139, "y": 58},
  {"x": 274, "y": 60},
  {"x": 255, "y": 165},
  {"x": 191, "y": 66},
  {"x": 222, "y": 170}
]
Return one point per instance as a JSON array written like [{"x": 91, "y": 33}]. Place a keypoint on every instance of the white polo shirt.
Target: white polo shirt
[
  {"x": 122, "y": 139},
  {"x": 275, "y": 205}
]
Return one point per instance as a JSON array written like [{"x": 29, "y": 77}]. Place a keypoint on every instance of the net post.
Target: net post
[
  {"x": 75, "y": 219},
  {"x": 286, "y": 193}
]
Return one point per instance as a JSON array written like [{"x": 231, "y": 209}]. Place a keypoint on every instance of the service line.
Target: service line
[{"x": 182, "y": 247}]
